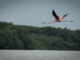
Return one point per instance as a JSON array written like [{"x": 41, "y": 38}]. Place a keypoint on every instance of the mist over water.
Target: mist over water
[{"x": 39, "y": 55}]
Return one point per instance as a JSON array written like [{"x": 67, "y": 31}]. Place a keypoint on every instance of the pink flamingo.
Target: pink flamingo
[{"x": 57, "y": 19}]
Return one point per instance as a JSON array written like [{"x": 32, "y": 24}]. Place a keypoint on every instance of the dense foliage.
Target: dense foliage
[{"x": 40, "y": 38}]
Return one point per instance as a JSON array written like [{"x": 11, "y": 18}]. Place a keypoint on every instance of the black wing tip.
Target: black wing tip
[
  {"x": 54, "y": 13},
  {"x": 66, "y": 14},
  {"x": 53, "y": 10}
]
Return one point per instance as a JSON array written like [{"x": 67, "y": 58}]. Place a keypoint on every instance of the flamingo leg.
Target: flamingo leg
[{"x": 67, "y": 21}]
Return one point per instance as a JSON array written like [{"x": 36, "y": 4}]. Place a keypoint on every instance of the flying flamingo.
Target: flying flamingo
[{"x": 57, "y": 19}]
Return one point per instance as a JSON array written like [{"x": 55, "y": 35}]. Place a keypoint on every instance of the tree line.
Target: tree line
[{"x": 22, "y": 37}]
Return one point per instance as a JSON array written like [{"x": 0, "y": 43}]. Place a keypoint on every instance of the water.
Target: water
[{"x": 39, "y": 55}]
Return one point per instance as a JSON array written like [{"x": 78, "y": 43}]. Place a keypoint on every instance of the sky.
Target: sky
[{"x": 34, "y": 12}]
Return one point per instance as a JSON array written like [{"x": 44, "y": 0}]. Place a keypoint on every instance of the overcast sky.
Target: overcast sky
[{"x": 34, "y": 12}]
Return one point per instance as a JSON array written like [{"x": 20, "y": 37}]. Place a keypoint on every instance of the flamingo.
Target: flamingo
[{"x": 57, "y": 18}]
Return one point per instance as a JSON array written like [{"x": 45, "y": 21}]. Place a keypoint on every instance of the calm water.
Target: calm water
[{"x": 39, "y": 55}]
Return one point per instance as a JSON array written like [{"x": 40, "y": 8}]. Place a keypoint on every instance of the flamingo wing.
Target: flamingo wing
[
  {"x": 55, "y": 15},
  {"x": 64, "y": 16}
]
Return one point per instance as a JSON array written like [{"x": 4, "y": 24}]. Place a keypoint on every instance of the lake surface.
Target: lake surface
[{"x": 39, "y": 55}]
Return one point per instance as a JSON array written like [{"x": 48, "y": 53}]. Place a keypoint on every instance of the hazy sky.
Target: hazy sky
[{"x": 34, "y": 12}]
